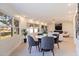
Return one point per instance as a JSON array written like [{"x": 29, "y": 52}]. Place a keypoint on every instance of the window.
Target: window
[
  {"x": 35, "y": 30},
  {"x": 32, "y": 28},
  {"x": 5, "y": 26}
]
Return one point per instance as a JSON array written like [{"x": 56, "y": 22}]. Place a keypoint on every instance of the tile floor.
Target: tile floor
[{"x": 67, "y": 48}]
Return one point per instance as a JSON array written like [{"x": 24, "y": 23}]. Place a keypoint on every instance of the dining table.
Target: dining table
[{"x": 39, "y": 37}]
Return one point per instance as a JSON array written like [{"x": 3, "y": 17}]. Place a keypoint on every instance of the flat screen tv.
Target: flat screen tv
[{"x": 58, "y": 26}]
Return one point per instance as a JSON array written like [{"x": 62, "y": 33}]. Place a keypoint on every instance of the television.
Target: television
[{"x": 58, "y": 26}]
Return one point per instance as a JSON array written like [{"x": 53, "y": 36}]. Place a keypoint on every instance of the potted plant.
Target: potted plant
[
  {"x": 24, "y": 33},
  {"x": 44, "y": 32}
]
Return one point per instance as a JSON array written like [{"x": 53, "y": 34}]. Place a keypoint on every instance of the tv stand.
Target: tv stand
[{"x": 60, "y": 31}]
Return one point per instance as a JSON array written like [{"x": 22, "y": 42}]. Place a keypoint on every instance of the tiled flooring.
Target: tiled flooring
[{"x": 67, "y": 48}]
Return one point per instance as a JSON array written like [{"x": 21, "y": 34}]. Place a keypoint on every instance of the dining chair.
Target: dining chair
[
  {"x": 32, "y": 42},
  {"x": 47, "y": 44},
  {"x": 56, "y": 40}
]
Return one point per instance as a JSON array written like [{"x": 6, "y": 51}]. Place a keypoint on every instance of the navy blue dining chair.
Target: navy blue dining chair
[
  {"x": 47, "y": 44},
  {"x": 32, "y": 42},
  {"x": 56, "y": 40}
]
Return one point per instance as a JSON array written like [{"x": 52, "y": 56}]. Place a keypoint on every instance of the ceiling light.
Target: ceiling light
[
  {"x": 69, "y": 4},
  {"x": 17, "y": 16},
  {"x": 45, "y": 24},
  {"x": 42, "y": 23},
  {"x": 25, "y": 16},
  {"x": 37, "y": 22},
  {"x": 70, "y": 12}
]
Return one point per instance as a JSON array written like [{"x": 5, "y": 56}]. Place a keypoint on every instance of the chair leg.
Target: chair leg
[
  {"x": 30, "y": 50},
  {"x": 58, "y": 45},
  {"x": 43, "y": 53},
  {"x": 38, "y": 48},
  {"x": 53, "y": 52}
]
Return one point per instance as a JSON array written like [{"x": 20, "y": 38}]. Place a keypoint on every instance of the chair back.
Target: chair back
[
  {"x": 31, "y": 41},
  {"x": 56, "y": 39},
  {"x": 47, "y": 43}
]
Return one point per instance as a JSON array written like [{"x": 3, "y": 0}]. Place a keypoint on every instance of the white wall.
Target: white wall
[
  {"x": 51, "y": 26},
  {"x": 23, "y": 23},
  {"x": 66, "y": 26}
]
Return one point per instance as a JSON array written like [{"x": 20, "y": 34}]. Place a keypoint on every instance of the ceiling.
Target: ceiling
[{"x": 46, "y": 11}]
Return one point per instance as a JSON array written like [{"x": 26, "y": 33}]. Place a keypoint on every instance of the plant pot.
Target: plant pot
[{"x": 25, "y": 40}]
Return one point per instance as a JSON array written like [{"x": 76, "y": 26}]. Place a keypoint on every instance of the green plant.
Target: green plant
[
  {"x": 45, "y": 32},
  {"x": 24, "y": 32}
]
